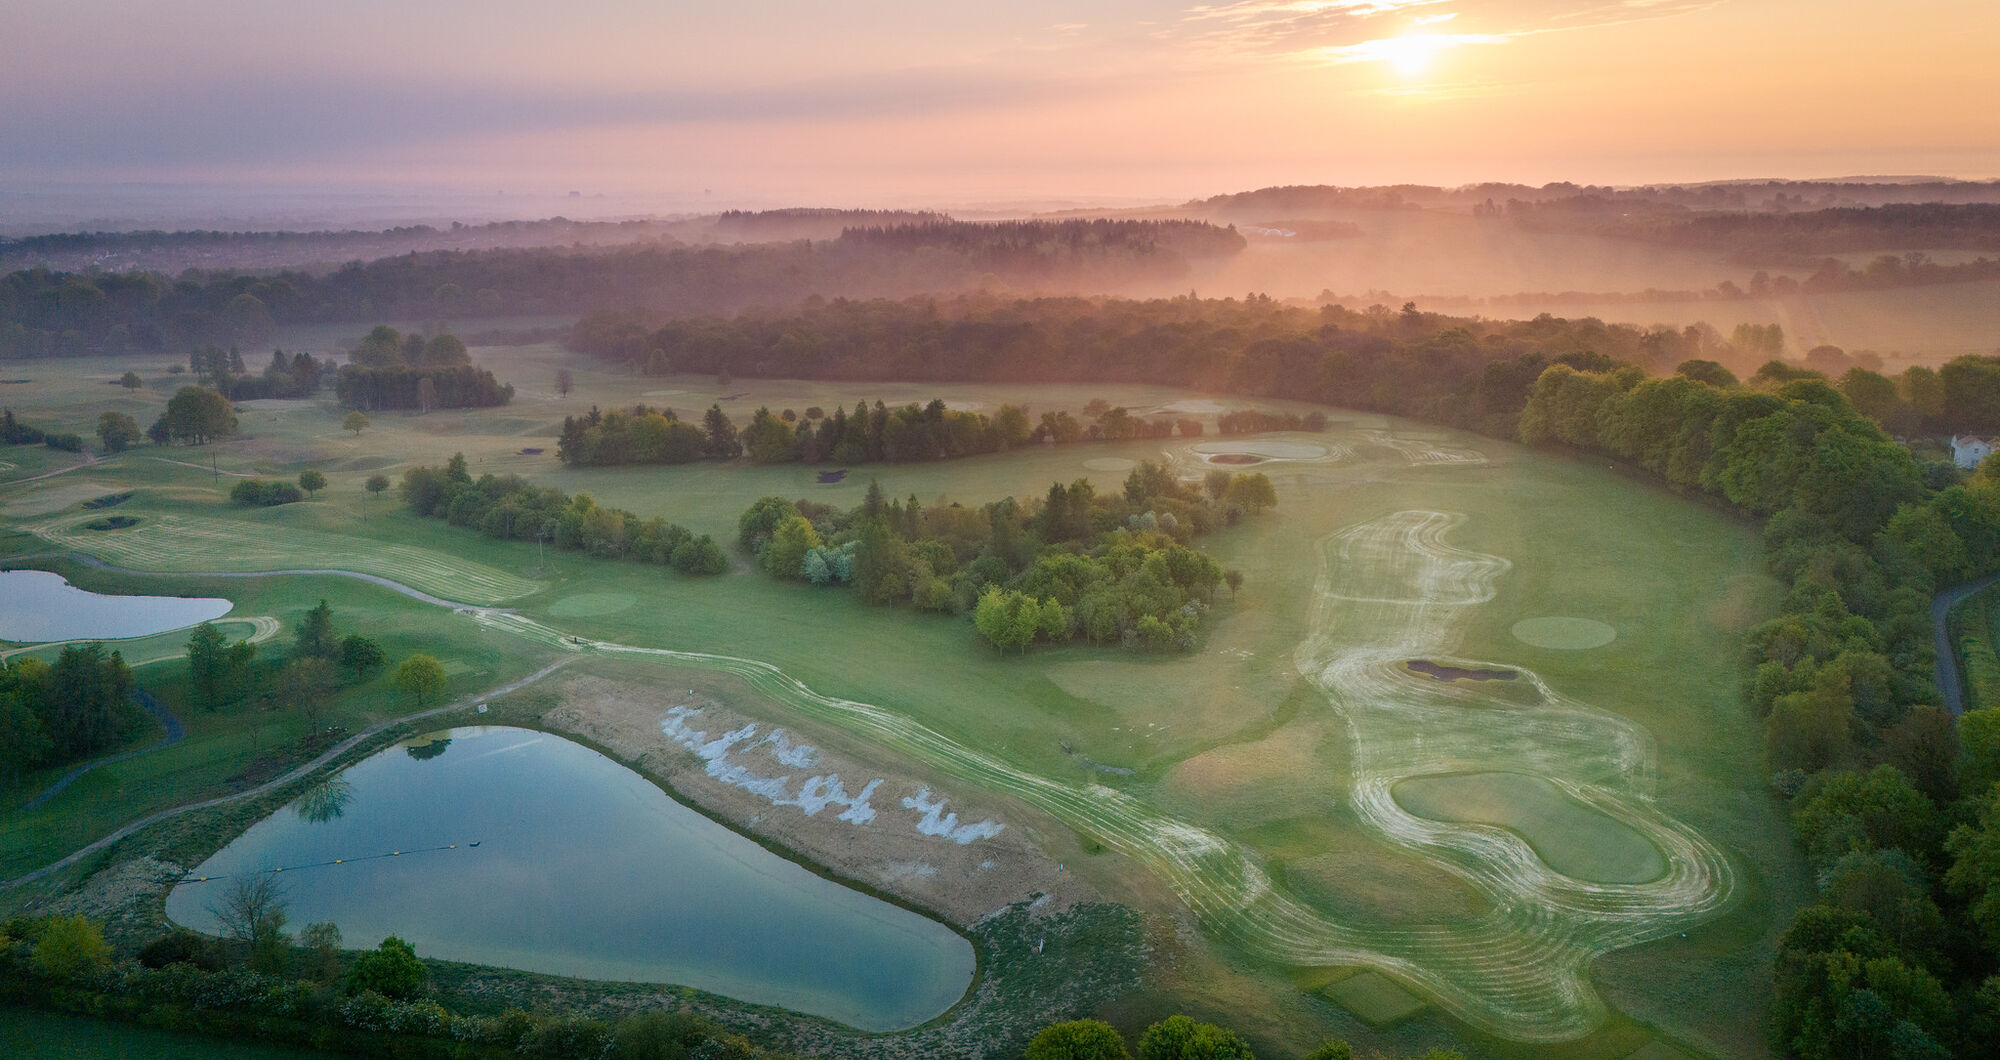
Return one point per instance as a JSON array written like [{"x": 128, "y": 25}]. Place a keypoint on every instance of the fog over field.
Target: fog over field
[{"x": 1061, "y": 530}]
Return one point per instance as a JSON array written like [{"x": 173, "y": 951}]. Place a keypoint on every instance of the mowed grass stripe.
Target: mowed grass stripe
[{"x": 186, "y": 543}]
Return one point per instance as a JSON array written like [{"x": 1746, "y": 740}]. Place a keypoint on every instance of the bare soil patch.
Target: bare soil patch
[{"x": 805, "y": 791}]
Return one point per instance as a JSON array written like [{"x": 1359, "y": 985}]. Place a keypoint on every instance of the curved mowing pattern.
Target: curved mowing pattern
[
  {"x": 1388, "y": 590},
  {"x": 191, "y": 544}
]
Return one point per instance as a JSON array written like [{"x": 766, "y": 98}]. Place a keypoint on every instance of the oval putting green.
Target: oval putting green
[
  {"x": 1567, "y": 835},
  {"x": 590, "y": 605},
  {"x": 1567, "y": 634}
]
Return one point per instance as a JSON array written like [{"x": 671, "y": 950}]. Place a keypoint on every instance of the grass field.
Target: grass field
[{"x": 1262, "y": 767}]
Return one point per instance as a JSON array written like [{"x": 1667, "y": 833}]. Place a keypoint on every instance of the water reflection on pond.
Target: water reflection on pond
[
  {"x": 39, "y": 606},
  {"x": 582, "y": 867}
]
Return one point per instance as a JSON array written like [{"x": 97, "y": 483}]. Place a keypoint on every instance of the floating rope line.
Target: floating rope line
[{"x": 324, "y": 864}]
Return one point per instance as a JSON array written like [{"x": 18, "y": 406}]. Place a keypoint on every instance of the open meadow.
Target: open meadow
[{"x": 1551, "y": 837}]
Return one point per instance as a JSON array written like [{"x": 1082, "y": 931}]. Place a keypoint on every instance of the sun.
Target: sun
[{"x": 1408, "y": 56}]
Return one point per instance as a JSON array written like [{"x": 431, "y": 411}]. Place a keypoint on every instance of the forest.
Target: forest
[{"x": 48, "y": 313}]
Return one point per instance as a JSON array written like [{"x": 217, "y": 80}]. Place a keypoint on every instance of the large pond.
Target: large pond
[
  {"x": 581, "y": 867},
  {"x": 37, "y": 606}
]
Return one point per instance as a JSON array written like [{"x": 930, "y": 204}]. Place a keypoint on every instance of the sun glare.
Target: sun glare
[{"x": 1409, "y": 56}]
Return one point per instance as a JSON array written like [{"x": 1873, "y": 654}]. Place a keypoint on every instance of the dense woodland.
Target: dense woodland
[
  {"x": 1113, "y": 569},
  {"x": 46, "y": 313}
]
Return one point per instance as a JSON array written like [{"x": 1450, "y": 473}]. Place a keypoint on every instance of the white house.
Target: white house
[{"x": 1967, "y": 450}]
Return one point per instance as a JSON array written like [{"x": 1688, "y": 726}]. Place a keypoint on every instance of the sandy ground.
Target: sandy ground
[{"x": 867, "y": 818}]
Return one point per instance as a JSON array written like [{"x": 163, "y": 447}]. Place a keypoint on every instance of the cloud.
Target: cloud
[{"x": 311, "y": 118}]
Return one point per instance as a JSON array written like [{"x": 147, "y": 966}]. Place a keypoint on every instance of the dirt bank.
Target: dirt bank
[{"x": 866, "y": 816}]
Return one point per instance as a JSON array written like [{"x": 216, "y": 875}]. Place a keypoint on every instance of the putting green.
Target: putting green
[
  {"x": 1568, "y": 836},
  {"x": 591, "y": 605},
  {"x": 1374, "y": 998},
  {"x": 1566, "y": 634}
]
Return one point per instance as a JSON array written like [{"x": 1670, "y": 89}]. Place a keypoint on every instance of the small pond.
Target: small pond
[
  {"x": 36, "y": 606},
  {"x": 582, "y": 868}
]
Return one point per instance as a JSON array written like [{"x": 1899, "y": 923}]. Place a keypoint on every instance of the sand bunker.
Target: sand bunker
[
  {"x": 590, "y": 605},
  {"x": 1267, "y": 448},
  {"x": 1110, "y": 463},
  {"x": 1195, "y": 407},
  {"x": 1567, "y": 634}
]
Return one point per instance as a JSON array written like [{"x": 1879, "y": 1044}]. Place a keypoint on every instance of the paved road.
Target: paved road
[
  {"x": 175, "y": 730},
  {"x": 338, "y": 749},
  {"x": 1949, "y": 683}
]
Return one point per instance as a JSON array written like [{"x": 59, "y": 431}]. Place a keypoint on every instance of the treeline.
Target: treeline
[
  {"x": 1464, "y": 372},
  {"x": 1892, "y": 798},
  {"x": 260, "y": 985},
  {"x": 811, "y": 223},
  {"x": 16, "y": 432},
  {"x": 1838, "y": 230},
  {"x": 1111, "y": 569},
  {"x": 45, "y": 313},
  {"x": 1026, "y": 247},
  {"x": 510, "y": 508},
  {"x": 391, "y": 370},
  {"x": 1495, "y": 197},
  {"x": 62, "y": 712},
  {"x": 908, "y": 434}
]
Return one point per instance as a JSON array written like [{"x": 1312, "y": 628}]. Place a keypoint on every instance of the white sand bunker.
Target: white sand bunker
[
  {"x": 1264, "y": 448},
  {"x": 1567, "y": 634},
  {"x": 1110, "y": 463}
]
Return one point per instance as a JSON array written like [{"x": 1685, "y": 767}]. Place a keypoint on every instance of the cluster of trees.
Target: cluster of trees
[
  {"x": 509, "y": 507},
  {"x": 390, "y": 370},
  {"x": 1893, "y": 801},
  {"x": 61, "y": 712},
  {"x": 15, "y": 432},
  {"x": 285, "y": 377},
  {"x": 220, "y": 672},
  {"x": 644, "y": 435},
  {"x": 1111, "y": 569},
  {"x": 257, "y": 493}
]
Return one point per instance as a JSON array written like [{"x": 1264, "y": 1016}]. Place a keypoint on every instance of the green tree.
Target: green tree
[
  {"x": 322, "y": 945},
  {"x": 565, "y": 382},
  {"x": 421, "y": 677},
  {"x": 1234, "y": 579},
  {"x": 791, "y": 542},
  {"x": 769, "y": 440},
  {"x": 391, "y": 970},
  {"x": 356, "y": 422},
  {"x": 311, "y": 481},
  {"x": 1253, "y": 491},
  {"x": 199, "y": 415},
  {"x": 214, "y": 665},
  {"x": 1331, "y": 1049},
  {"x": 722, "y": 443},
  {"x": 1181, "y": 1038},
  {"x": 118, "y": 432},
  {"x": 131, "y": 381},
  {"x": 376, "y": 483},
  {"x": 70, "y": 947},
  {"x": 359, "y": 654},
  {"x": 1078, "y": 1040},
  {"x": 24, "y": 738},
  {"x": 85, "y": 688},
  {"x": 445, "y": 351}
]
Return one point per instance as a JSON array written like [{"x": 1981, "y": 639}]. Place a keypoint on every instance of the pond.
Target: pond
[
  {"x": 38, "y": 606},
  {"x": 524, "y": 850}
]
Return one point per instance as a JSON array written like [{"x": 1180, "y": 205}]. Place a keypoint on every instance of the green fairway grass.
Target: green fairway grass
[
  {"x": 1572, "y": 838},
  {"x": 1374, "y": 998},
  {"x": 1259, "y": 767}
]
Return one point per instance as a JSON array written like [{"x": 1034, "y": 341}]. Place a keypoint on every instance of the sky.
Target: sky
[{"x": 892, "y": 102}]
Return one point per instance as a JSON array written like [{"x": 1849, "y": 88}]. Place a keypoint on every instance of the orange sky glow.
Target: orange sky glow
[{"x": 883, "y": 101}]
